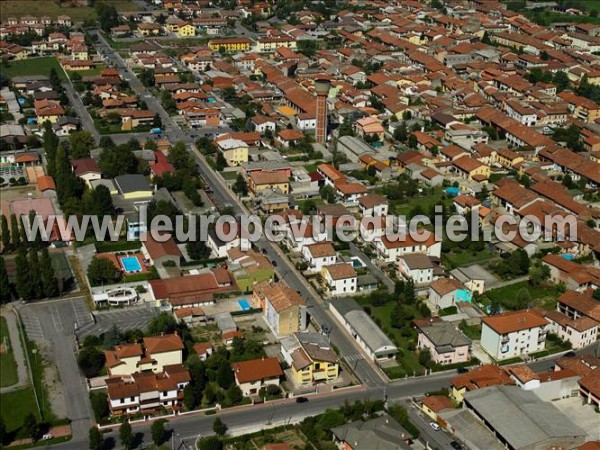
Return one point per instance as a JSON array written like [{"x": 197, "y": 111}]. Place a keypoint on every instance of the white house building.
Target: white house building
[
  {"x": 445, "y": 292},
  {"x": 390, "y": 249},
  {"x": 513, "y": 334},
  {"x": 417, "y": 267},
  {"x": 340, "y": 278},
  {"x": 251, "y": 376},
  {"x": 319, "y": 255}
]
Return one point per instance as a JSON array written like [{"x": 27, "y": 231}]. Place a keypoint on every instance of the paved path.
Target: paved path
[{"x": 17, "y": 348}]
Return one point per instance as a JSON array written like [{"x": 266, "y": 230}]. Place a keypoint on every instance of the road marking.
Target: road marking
[
  {"x": 33, "y": 327},
  {"x": 56, "y": 318},
  {"x": 351, "y": 358}
]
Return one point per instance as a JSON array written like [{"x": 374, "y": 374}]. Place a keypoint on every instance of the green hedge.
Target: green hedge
[
  {"x": 118, "y": 246},
  {"x": 202, "y": 262}
]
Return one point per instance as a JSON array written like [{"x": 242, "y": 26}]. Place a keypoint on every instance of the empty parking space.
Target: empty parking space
[
  {"x": 125, "y": 319},
  {"x": 56, "y": 319},
  {"x": 33, "y": 328},
  {"x": 82, "y": 313}
]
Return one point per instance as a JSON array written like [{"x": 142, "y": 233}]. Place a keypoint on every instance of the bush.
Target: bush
[{"x": 99, "y": 401}]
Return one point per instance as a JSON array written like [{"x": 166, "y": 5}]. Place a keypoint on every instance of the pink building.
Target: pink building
[{"x": 446, "y": 344}]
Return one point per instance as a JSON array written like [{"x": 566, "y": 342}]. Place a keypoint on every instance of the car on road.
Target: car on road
[
  {"x": 301, "y": 399},
  {"x": 462, "y": 370},
  {"x": 274, "y": 263},
  {"x": 456, "y": 446},
  {"x": 570, "y": 354},
  {"x": 435, "y": 426}
]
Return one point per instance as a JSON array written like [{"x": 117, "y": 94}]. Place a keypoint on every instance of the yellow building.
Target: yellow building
[
  {"x": 133, "y": 186},
  {"x": 507, "y": 158},
  {"x": 312, "y": 363},
  {"x": 156, "y": 353},
  {"x": 148, "y": 29},
  {"x": 234, "y": 151},
  {"x": 261, "y": 181},
  {"x": 283, "y": 308},
  {"x": 187, "y": 30},
  {"x": 471, "y": 169},
  {"x": 230, "y": 44}
]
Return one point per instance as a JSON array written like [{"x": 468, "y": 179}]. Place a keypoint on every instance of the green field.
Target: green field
[
  {"x": 53, "y": 9},
  {"x": 33, "y": 66},
  {"x": 507, "y": 296},
  {"x": 14, "y": 406},
  {"x": 460, "y": 258},
  {"x": 8, "y": 365}
]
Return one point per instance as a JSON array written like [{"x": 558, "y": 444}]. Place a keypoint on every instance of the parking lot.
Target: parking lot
[
  {"x": 125, "y": 319},
  {"x": 61, "y": 317},
  {"x": 583, "y": 415}
]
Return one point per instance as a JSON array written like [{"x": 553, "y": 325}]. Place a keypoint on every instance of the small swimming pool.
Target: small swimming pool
[
  {"x": 244, "y": 305},
  {"x": 568, "y": 256},
  {"x": 453, "y": 191},
  {"x": 131, "y": 264},
  {"x": 357, "y": 263}
]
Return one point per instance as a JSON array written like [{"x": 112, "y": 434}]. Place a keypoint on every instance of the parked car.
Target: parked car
[
  {"x": 462, "y": 370},
  {"x": 456, "y": 446},
  {"x": 301, "y": 399},
  {"x": 570, "y": 354},
  {"x": 435, "y": 426}
]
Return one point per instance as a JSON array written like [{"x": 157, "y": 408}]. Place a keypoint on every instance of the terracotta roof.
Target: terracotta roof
[
  {"x": 581, "y": 302},
  {"x": 370, "y": 200},
  {"x": 202, "y": 348},
  {"x": 257, "y": 369},
  {"x": 158, "y": 249},
  {"x": 279, "y": 295},
  {"x": 482, "y": 376},
  {"x": 513, "y": 321},
  {"x": 162, "y": 344},
  {"x": 437, "y": 403},
  {"x": 275, "y": 177},
  {"x": 522, "y": 373},
  {"x": 340, "y": 271},
  {"x": 444, "y": 286},
  {"x": 591, "y": 382},
  {"x": 46, "y": 182},
  {"x": 321, "y": 249}
]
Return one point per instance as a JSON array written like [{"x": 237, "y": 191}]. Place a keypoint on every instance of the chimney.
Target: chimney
[{"x": 322, "y": 89}]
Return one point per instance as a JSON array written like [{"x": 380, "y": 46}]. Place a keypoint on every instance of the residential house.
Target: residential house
[
  {"x": 251, "y": 376},
  {"x": 513, "y": 334},
  {"x": 311, "y": 359},
  {"x": 340, "y": 279},
  {"x": 446, "y": 292},
  {"x": 155, "y": 353},
  {"x": 416, "y": 267},
  {"x": 319, "y": 255},
  {"x": 446, "y": 344},
  {"x": 284, "y": 310},
  {"x": 261, "y": 181},
  {"x": 234, "y": 151},
  {"x": 382, "y": 432}
]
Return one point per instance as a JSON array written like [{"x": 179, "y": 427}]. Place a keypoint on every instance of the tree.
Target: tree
[
  {"x": 234, "y": 394},
  {"x": 190, "y": 399},
  {"x": 345, "y": 129},
  {"x": 397, "y": 316},
  {"x": 101, "y": 271},
  {"x": 168, "y": 103},
  {"x": 99, "y": 402},
  {"x": 115, "y": 161},
  {"x": 197, "y": 248},
  {"x": 523, "y": 298},
  {"x": 95, "y": 437},
  {"x": 157, "y": 122},
  {"x": 14, "y": 231},
  {"x": 491, "y": 131},
  {"x": 4, "y": 229},
  {"x": 412, "y": 141},
  {"x": 81, "y": 143},
  {"x": 425, "y": 357},
  {"x": 90, "y": 361},
  {"x": 240, "y": 186},
  {"x": 596, "y": 294},
  {"x": 107, "y": 16},
  {"x": 126, "y": 435},
  {"x": 23, "y": 286},
  {"x": 401, "y": 133},
  {"x": 158, "y": 432},
  {"x": 164, "y": 323},
  {"x": 219, "y": 427},
  {"x": 225, "y": 375},
  {"x": 146, "y": 77},
  {"x": 5, "y": 294},
  {"x": 31, "y": 427},
  {"x": 221, "y": 162},
  {"x": 328, "y": 194},
  {"x": 111, "y": 338},
  {"x": 35, "y": 277}
]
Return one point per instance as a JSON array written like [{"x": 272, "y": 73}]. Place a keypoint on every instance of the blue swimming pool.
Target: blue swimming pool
[
  {"x": 454, "y": 191},
  {"x": 244, "y": 305},
  {"x": 568, "y": 256},
  {"x": 131, "y": 264}
]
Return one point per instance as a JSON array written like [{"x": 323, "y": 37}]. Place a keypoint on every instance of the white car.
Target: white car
[{"x": 435, "y": 426}]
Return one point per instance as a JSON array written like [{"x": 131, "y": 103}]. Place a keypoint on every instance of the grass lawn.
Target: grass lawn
[
  {"x": 33, "y": 66},
  {"x": 408, "y": 359},
  {"x": 14, "y": 406},
  {"x": 426, "y": 202},
  {"x": 229, "y": 175},
  {"x": 507, "y": 296},
  {"x": 52, "y": 9},
  {"x": 310, "y": 168},
  {"x": 8, "y": 365},
  {"x": 465, "y": 257}
]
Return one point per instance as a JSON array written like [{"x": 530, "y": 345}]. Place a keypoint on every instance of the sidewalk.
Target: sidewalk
[{"x": 17, "y": 348}]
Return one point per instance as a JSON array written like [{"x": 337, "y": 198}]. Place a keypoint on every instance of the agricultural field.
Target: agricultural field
[
  {"x": 53, "y": 9},
  {"x": 33, "y": 66}
]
